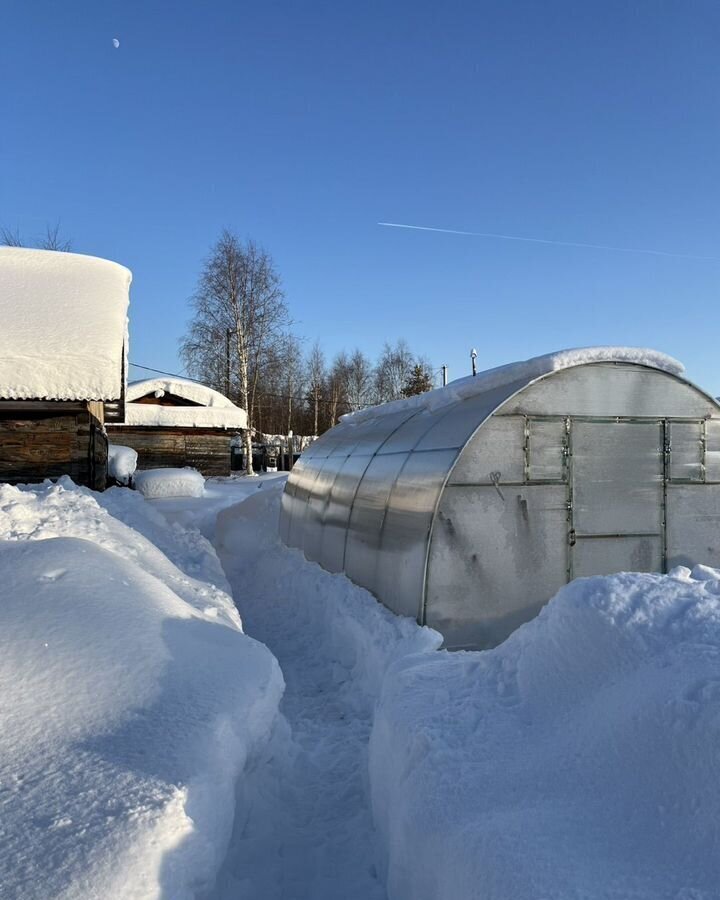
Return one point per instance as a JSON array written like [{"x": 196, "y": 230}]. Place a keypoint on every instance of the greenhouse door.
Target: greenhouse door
[{"x": 617, "y": 508}]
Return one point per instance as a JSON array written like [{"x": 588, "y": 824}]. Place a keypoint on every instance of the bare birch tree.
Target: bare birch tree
[
  {"x": 392, "y": 372},
  {"x": 240, "y": 313},
  {"x": 315, "y": 379},
  {"x": 51, "y": 240}
]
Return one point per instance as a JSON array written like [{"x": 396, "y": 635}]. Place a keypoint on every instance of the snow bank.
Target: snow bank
[
  {"x": 525, "y": 371},
  {"x": 64, "y": 325},
  {"x": 578, "y": 759},
  {"x": 122, "y": 462},
  {"x": 130, "y": 701},
  {"x": 153, "y": 483}
]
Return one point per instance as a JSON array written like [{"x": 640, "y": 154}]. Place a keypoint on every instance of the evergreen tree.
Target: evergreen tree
[{"x": 418, "y": 382}]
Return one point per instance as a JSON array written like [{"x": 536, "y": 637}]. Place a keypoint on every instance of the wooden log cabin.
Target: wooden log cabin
[
  {"x": 177, "y": 422},
  {"x": 63, "y": 345}
]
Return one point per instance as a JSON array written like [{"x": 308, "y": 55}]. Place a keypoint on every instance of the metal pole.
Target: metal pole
[
  {"x": 444, "y": 376},
  {"x": 473, "y": 357}
]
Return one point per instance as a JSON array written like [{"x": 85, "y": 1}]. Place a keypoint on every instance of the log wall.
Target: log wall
[
  {"x": 205, "y": 449},
  {"x": 41, "y": 439}
]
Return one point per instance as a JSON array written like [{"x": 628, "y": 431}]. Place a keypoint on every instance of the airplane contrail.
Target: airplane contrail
[{"x": 533, "y": 240}]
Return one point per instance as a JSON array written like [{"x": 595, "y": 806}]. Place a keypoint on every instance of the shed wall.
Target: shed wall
[
  {"x": 42, "y": 439},
  {"x": 205, "y": 449}
]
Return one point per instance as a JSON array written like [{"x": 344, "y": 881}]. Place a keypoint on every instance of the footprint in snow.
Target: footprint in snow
[{"x": 52, "y": 575}]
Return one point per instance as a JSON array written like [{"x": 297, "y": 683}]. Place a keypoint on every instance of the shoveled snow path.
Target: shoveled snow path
[{"x": 304, "y": 829}]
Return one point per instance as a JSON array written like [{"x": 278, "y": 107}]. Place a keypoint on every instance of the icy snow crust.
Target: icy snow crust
[
  {"x": 217, "y": 411},
  {"x": 130, "y": 700},
  {"x": 156, "y": 483},
  {"x": 526, "y": 371},
  {"x": 64, "y": 325}
]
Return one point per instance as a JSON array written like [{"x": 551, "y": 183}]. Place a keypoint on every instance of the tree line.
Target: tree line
[{"x": 240, "y": 341}]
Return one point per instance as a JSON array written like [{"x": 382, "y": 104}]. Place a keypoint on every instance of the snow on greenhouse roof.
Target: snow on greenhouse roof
[
  {"x": 180, "y": 387},
  {"x": 64, "y": 325},
  {"x": 525, "y": 371}
]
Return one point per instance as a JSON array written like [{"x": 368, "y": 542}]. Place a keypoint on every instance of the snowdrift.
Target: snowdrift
[
  {"x": 155, "y": 483},
  {"x": 131, "y": 699},
  {"x": 578, "y": 759}
]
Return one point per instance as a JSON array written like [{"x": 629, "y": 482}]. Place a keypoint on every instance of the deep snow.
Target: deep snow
[
  {"x": 129, "y": 697},
  {"x": 576, "y": 760},
  {"x": 308, "y": 832}
]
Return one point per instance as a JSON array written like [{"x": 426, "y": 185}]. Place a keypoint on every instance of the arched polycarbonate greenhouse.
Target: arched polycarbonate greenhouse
[{"x": 470, "y": 506}]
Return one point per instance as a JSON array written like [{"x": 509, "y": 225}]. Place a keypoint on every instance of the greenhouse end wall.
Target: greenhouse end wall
[{"x": 469, "y": 518}]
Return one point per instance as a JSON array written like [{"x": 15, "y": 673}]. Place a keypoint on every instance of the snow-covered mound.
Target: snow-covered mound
[
  {"x": 64, "y": 325},
  {"x": 130, "y": 701},
  {"x": 122, "y": 462},
  {"x": 154, "y": 483},
  {"x": 578, "y": 759},
  {"x": 526, "y": 370}
]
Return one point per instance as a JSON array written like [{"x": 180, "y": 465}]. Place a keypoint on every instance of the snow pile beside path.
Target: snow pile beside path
[
  {"x": 362, "y": 636},
  {"x": 153, "y": 483},
  {"x": 127, "y": 712},
  {"x": 122, "y": 462},
  {"x": 122, "y": 522},
  {"x": 220, "y": 492},
  {"x": 524, "y": 371},
  {"x": 578, "y": 759}
]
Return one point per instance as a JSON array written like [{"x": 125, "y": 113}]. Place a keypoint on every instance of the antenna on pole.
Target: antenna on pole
[{"x": 473, "y": 357}]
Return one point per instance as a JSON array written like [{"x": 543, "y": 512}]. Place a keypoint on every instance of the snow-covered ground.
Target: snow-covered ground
[
  {"x": 129, "y": 699},
  {"x": 576, "y": 760},
  {"x": 307, "y": 832}
]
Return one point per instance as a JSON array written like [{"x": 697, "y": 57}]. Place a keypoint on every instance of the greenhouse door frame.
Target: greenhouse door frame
[{"x": 617, "y": 491}]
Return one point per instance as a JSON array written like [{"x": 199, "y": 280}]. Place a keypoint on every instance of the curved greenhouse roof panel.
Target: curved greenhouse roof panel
[
  {"x": 524, "y": 370},
  {"x": 64, "y": 326},
  {"x": 470, "y": 506}
]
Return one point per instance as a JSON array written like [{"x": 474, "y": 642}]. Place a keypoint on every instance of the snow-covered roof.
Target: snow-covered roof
[
  {"x": 216, "y": 411},
  {"x": 180, "y": 387},
  {"x": 151, "y": 414},
  {"x": 63, "y": 325},
  {"x": 526, "y": 370}
]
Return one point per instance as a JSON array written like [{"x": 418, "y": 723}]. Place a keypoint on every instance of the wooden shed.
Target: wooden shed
[
  {"x": 63, "y": 346},
  {"x": 176, "y": 422}
]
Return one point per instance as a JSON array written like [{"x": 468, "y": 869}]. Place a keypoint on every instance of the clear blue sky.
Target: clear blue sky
[{"x": 303, "y": 124}]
